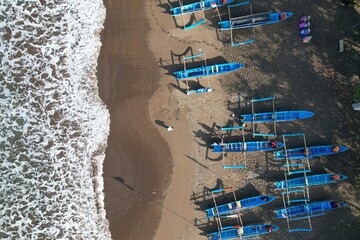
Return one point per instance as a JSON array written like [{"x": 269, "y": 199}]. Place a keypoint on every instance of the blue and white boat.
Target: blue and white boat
[
  {"x": 237, "y": 206},
  {"x": 309, "y": 181},
  {"x": 309, "y": 152},
  {"x": 310, "y": 209},
  {"x": 246, "y": 232}
]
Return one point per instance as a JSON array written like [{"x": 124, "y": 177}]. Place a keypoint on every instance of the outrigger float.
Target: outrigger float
[
  {"x": 250, "y": 21},
  {"x": 309, "y": 181},
  {"x": 311, "y": 209},
  {"x": 200, "y": 6},
  {"x": 271, "y": 117},
  {"x": 204, "y": 71},
  {"x": 309, "y": 152}
]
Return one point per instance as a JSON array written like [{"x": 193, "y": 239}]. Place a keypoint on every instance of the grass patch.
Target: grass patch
[{"x": 356, "y": 96}]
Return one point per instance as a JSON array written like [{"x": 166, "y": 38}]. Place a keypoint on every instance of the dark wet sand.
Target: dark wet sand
[{"x": 137, "y": 163}]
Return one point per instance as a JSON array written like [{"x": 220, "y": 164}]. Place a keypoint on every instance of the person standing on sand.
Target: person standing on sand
[{"x": 170, "y": 128}]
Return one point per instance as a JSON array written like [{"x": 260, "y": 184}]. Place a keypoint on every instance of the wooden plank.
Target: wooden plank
[{"x": 341, "y": 45}]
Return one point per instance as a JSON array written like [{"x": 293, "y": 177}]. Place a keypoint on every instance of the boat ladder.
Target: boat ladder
[
  {"x": 296, "y": 195},
  {"x": 261, "y": 117},
  {"x": 234, "y": 147},
  {"x": 295, "y": 166}
]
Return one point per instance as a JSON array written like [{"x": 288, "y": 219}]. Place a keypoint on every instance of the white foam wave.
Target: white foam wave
[{"x": 54, "y": 127}]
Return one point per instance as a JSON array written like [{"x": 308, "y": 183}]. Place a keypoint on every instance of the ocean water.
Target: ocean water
[{"x": 54, "y": 127}]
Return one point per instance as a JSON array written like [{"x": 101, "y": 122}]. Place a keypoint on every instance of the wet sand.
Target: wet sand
[{"x": 137, "y": 163}]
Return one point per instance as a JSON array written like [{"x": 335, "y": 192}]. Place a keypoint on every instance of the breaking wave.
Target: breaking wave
[{"x": 54, "y": 127}]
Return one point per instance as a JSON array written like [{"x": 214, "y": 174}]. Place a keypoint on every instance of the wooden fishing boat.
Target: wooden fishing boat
[
  {"x": 237, "y": 206},
  {"x": 199, "y": 6},
  {"x": 246, "y": 146},
  {"x": 246, "y": 232},
  {"x": 309, "y": 181},
  {"x": 275, "y": 116},
  {"x": 309, "y": 152},
  {"x": 254, "y": 20},
  {"x": 310, "y": 209},
  {"x": 208, "y": 70}
]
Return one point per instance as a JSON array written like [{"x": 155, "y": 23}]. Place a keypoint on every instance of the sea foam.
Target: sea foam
[{"x": 54, "y": 127}]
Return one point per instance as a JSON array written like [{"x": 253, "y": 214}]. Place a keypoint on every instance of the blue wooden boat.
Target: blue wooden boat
[
  {"x": 310, "y": 181},
  {"x": 310, "y": 209},
  {"x": 199, "y": 6},
  {"x": 275, "y": 116},
  {"x": 238, "y": 206},
  {"x": 246, "y": 232},
  {"x": 208, "y": 71},
  {"x": 309, "y": 152},
  {"x": 254, "y": 20},
  {"x": 245, "y": 146}
]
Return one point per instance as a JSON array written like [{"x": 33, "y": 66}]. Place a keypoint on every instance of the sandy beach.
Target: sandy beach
[
  {"x": 138, "y": 162},
  {"x": 157, "y": 182}
]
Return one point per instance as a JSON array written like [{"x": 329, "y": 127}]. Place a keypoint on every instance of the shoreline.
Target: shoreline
[{"x": 137, "y": 163}]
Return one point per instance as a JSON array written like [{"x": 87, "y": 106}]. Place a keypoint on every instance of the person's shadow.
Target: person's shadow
[{"x": 161, "y": 123}]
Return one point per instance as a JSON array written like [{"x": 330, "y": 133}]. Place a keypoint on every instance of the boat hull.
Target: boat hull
[
  {"x": 234, "y": 232},
  {"x": 238, "y": 206},
  {"x": 208, "y": 71},
  {"x": 312, "y": 209},
  {"x": 311, "y": 152},
  {"x": 311, "y": 181},
  {"x": 255, "y": 20},
  {"x": 199, "y": 6},
  {"x": 276, "y": 117},
  {"x": 248, "y": 147}
]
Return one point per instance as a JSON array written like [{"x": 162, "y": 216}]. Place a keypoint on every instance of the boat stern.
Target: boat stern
[
  {"x": 210, "y": 212},
  {"x": 343, "y": 149},
  {"x": 281, "y": 213},
  {"x": 236, "y": 66},
  {"x": 179, "y": 75},
  {"x": 288, "y": 14},
  {"x": 332, "y": 178},
  {"x": 279, "y": 155},
  {"x": 268, "y": 199},
  {"x": 217, "y": 148},
  {"x": 270, "y": 228},
  {"x": 280, "y": 185},
  {"x": 224, "y": 25},
  {"x": 246, "y": 118},
  {"x": 305, "y": 114}
]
